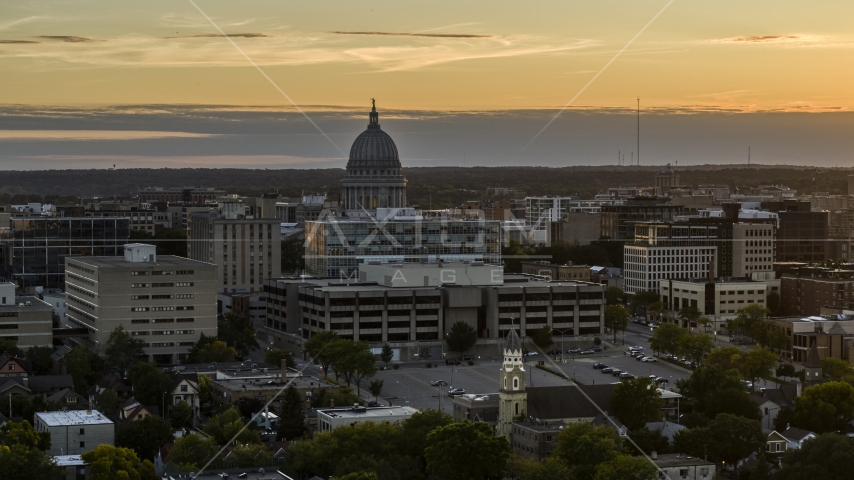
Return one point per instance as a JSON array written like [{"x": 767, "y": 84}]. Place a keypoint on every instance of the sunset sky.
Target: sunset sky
[{"x": 421, "y": 59}]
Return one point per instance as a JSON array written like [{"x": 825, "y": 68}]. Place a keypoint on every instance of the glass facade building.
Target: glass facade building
[{"x": 35, "y": 248}]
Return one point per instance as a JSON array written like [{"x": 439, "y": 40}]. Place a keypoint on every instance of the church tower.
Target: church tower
[
  {"x": 812, "y": 367},
  {"x": 512, "y": 398}
]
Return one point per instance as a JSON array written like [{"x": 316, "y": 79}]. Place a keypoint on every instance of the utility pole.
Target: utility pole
[{"x": 748, "y": 155}]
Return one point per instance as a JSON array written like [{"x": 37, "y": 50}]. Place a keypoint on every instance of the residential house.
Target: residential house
[
  {"x": 775, "y": 445},
  {"x": 186, "y": 390},
  {"x": 112, "y": 381},
  {"x": 610, "y": 422},
  {"x": 68, "y": 399},
  {"x": 666, "y": 429},
  {"x": 13, "y": 387},
  {"x": 11, "y": 366},
  {"x": 785, "y": 395},
  {"x": 796, "y": 437},
  {"x": 47, "y": 385},
  {"x": 769, "y": 410},
  {"x": 132, "y": 410}
]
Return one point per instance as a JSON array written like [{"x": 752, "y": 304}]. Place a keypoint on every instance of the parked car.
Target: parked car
[
  {"x": 653, "y": 377},
  {"x": 748, "y": 383},
  {"x": 617, "y": 372},
  {"x": 599, "y": 366},
  {"x": 636, "y": 347},
  {"x": 533, "y": 352},
  {"x": 452, "y": 361},
  {"x": 660, "y": 380},
  {"x": 574, "y": 350},
  {"x": 456, "y": 391},
  {"x": 466, "y": 358},
  {"x": 607, "y": 370},
  {"x": 597, "y": 349},
  {"x": 626, "y": 375},
  {"x": 553, "y": 352},
  {"x": 647, "y": 359},
  {"x": 439, "y": 383}
]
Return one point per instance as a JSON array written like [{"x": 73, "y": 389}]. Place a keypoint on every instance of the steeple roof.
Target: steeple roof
[
  {"x": 512, "y": 343},
  {"x": 813, "y": 360}
]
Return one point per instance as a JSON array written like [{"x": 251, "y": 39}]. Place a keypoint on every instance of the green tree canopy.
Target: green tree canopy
[
  {"x": 773, "y": 302},
  {"x": 144, "y": 436},
  {"x": 828, "y": 456},
  {"x": 387, "y": 354},
  {"x": 7, "y": 345},
  {"x": 648, "y": 441},
  {"x": 461, "y": 337},
  {"x": 275, "y": 357},
  {"x": 216, "y": 351},
  {"x": 123, "y": 351},
  {"x": 181, "y": 415},
  {"x": 837, "y": 370},
  {"x": 41, "y": 359},
  {"x": 727, "y": 438},
  {"x": 252, "y": 455},
  {"x": 641, "y": 300},
  {"x": 715, "y": 390},
  {"x": 543, "y": 337},
  {"x": 293, "y": 255},
  {"x": 616, "y": 318},
  {"x": 193, "y": 450},
  {"x": 237, "y": 331},
  {"x": 689, "y": 314},
  {"x": 292, "y": 418},
  {"x": 224, "y": 427},
  {"x": 415, "y": 430},
  {"x": 823, "y": 408},
  {"x": 665, "y": 338},
  {"x": 316, "y": 347},
  {"x": 583, "y": 447},
  {"x": 626, "y": 467},
  {"x": 466, "y": 451},
  {"x": 85, "y": 368},
  {"x": 21, "y": 463},
  {"x": 22, "y": 433},
  {"x": 752, "y": 320},
  {"x": 149, "y": 383},
  {"x": 107, "y": 462},
  {"x": 696, "y": 347},
  {"x": 637, "y": 402},
  {"x": 614, "y": 295}
]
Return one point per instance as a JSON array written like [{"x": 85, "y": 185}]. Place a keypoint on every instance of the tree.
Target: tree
[
  {"x": 26, "y": 406},
  {"x": 773, "y": 302},
  {"x": 828, "y": 456},
  {"x": 293, "y": 255},
  {"x": 641, "y": 300},
  {"x": 149, "y": 383},
  {"x": 665, "y": 338},
  {"x": 637, "y": 402},
  {"x": 415, "y": 429},
  {"x": 237, "y": 331},
  {"x": 727, "y": 438},
  {"x": 316, "y": 348},
  {"x": 18, "y": 462},
  {"x": 224, "y": 427},
  {"x": 778, "y": 340},
  {"x": 123, "y": 351},
  {"x": 752, "y": 320},
  {"x": 252, "y": 455},
  {"x": 359, "y": 476},
  {"x": 655, "y": 309},
  {"x": 216, "y": 351},
  {"x": 824, "y": 408},
  {"x": 181, "y": 416},
  {"x": 725, "y": 357},
  {"x": 758, "y": 363},
  {"x": 785, "y": 370},
  {"x": 387, "y": 354},
  {"x": 715, "y": 390},
  {"x": 275, "y": 357},
  {"x": 144, "y": 436},
  {"x": 689, "y": 315},
  {"x": 376, "y": 389},
  {"x": 292, "y": 418},
  {"x": 22, "y": 433},
  {"x": 626, "y": 467},
  {"x": 40, "y": 358},
  {"x": 461, "y": 337},
  {"x": 835, "y": 369},
  {"x": 705, "y": 323},
  {"x": 353, "y": 360},
  {"x": 614, "y": 295},
  {"x": 616, "y": 318},
  {"x": 464, "y": 451},
  {"x": 193, "y": 450},
  {"x": 543, "y": 337},
  {"x": 7, "y": 345},
  {"x": 696, "y": 347},
  {"x": 107, "y": 462},
  {"x": 193, "y": 356},
  {"x": 584, "y": 447},
  {"x": 648, "y": 441},
  {"x": 85, "y": 368}
]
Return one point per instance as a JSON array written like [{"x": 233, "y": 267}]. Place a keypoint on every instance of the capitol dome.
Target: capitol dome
[{"x": 374, "y": 178}]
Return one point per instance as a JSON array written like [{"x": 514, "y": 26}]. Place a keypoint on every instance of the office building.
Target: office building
[
  {"x": 331, "y": 418},
  {"x": 812, "y": 290},
  {"x": 73, "y": 432},
  {"x": 25, "y": 319},
  {"x": 557, "y": 272},
  {"x": 412, "y": 305},
  {"x": 179, "y": 194},
  {"x": 167, "y": 302},
  {"x": 665, "y": 180},
  {"x": 718, "y": 299},
  {"x": 802, "y": 234},
  {"x": 245, "y": 250},
  {"x": 36, "y": 247},
  {"x": 618, "y": 221}
]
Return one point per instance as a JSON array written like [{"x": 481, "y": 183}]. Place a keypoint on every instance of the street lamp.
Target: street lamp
[{"x": 561, "y": 340}]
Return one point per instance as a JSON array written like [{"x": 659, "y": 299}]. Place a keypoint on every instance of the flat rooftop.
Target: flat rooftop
[
  {"x": 73, "y": 417},
  {"x": 679, "y": 460},
  {"x": 69, "y": 460},
  {"x": 272, "y": 384},
  {"x": 369, "y": 412},
  {"x": 120, "y": 262},
  {"x": 30, "y": 303}
]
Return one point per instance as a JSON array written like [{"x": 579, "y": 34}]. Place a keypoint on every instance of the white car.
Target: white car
[{"x": 648, "y": 359}]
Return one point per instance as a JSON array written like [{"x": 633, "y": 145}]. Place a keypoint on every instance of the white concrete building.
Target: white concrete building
[
  {"x": 73, "y": 432},
  {"x": 332, "y": 418},
  {"x": 645, "y": 266}
]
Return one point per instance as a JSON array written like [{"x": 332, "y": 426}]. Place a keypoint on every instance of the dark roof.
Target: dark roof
[
  {"x": 601, "y": 420},
  {"x": 551, "y": 403},
  {"x": 113, "y": 381},
  {"x": 813, "y": 360},
  {"x": 46, "y": 383},
  {"x": 60, "y": 352},
  {"x": 12, "y": 382},
  {"x": 783, "y": 396},
  {"x": 795, "y": 434},
  {"x": 61, "y": 395},
  {"x": 759, "y": 400},
  {"x": 23, "y": 362}
]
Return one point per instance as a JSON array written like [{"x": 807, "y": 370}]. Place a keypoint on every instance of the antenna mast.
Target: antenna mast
[
  {"x": 748, "y": 155},
  {"x": 638, "y": 131}
]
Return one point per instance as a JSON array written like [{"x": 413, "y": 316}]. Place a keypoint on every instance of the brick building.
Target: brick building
[{"x": 808, "y": 290}]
